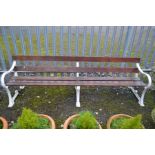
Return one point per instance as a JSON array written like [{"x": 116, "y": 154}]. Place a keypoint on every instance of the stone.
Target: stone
[
  {"x": 12, "y": 122},
  {"x": 96, "y": 113},
  {"x": 38, "y": 96}
]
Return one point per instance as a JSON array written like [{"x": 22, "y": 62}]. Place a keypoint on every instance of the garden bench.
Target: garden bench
[{"x": 77, "y": 80}]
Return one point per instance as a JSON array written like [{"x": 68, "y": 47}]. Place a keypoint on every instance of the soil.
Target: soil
[{"x": 59, "y": 103}]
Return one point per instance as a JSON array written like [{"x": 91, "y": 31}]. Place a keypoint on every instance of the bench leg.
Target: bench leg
[
  {"x": 12, "y": 98},
  {"x": 140, "y": 98},
  {"x": 77, "y": 96},
  {"x": 141, "y": 101}
]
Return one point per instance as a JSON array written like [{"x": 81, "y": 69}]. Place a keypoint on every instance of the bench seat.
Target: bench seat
[{"x": 75, "y": 81}]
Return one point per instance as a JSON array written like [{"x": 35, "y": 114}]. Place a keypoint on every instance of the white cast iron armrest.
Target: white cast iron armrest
[
  {"x": 147, "y": 75},
  {"x": 5, "y": 73}
]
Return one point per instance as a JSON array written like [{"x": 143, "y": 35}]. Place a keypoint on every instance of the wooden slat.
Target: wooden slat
[
  {"x": 76, "y": 83},
  {"x": 77, "y": 58},
  {"x": 74, "y": 69},
  {"x": 41, "y": 78}
]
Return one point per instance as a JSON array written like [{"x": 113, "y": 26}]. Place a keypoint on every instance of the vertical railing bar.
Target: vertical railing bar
[
  {"x": 127, "y": 43},
  {"x": 132, "y": 41},
  {"x": 76, "y": 41},
  {"x": 38, "y": 40},
  {"x": 152, "y": 60},
  {"x": 133, "y": 34},
  {"x": 105, "y": 42},
  {"x": 5, "y": 39},
  {"x": 45, "y": 31},
  {"x": 145, "y": 41},
  {"x": 91, "y": 42},
  {"x": 22, "y": 41},
  {"x": 54, "y": 42},
  {"x": 112, "y": 42},
  {"x": 84, "y": 42},
  {"x": 2, "y": 60},
  {"x": 69, "y": 40},
  {"x": 46, "y": 40},
  {"x": 139, "y": 41},
  {"x": 37, "y": 30},
  {"x": 150, "y": 48},
  {"x": 98, "y": 42},
  {"x": 61, "y": 42},
  {"x": 119, "y": 41},
  {"x": 30, "y": 42},
  {"x": 13, "y": 37}
]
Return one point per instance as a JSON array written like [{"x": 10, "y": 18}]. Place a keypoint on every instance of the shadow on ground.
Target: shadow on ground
[{"x": 59, "y": 102}]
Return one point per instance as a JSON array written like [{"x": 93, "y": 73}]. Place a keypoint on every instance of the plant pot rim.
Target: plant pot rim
[
  {"x": 70, "y": 118},
  {"x": 4, "y": 123},
  {"x": 113, "y": 117},
  {"x": 50, "y": 119}
]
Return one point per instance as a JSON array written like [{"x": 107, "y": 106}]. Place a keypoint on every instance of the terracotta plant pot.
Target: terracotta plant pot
[
  {"x": 69, "y": 120},
  {"x": 115, "y": 117},
  {"x": 50, "y": 119},
  {"x": 4, "y": 123}
]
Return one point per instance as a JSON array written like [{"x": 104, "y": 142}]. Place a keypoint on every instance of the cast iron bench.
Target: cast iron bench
[{"x": 77, "y": 80}]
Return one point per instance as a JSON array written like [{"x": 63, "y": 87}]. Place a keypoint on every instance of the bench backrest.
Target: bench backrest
[{"x": 76, "y": 59}]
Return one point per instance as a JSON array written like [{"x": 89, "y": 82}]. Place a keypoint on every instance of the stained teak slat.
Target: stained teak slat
[
  {"x": 74, "y": 69},
  {"x": 77, "y": 58}
]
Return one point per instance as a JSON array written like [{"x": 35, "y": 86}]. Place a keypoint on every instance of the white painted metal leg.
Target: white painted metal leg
[
  {"x": 10, "y": 97},
  {"x": 77, "y": 88},
  {"x": 77, "y": 96},
  {"x": 140, "y": 98},
  {"x": 11, "y": 100}
]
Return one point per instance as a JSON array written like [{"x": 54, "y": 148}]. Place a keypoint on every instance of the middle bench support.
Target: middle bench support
[{"x": 77, "y": 88}]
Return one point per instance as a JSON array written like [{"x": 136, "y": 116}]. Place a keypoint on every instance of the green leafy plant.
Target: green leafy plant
[
  {"x": 86, "y": 120},
  {"x": 30, "y": 120},
  {"x": 1, "y": 125},
  {"x": 128, "y": 123},
  {"x": 116, "y": 123},
  {"x": 153, "y": 115}
]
